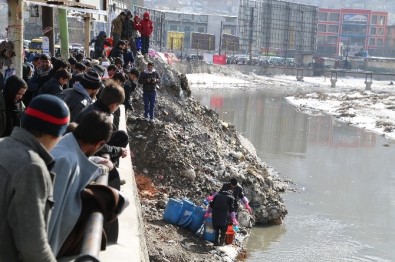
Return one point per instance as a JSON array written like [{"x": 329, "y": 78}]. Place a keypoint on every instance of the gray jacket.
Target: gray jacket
[
  {"x": 74, "y": 172},
  {"x": 25, "y": 198}
]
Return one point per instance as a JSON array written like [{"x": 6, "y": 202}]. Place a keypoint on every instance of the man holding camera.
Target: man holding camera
[{"x": 150, "y": 79}]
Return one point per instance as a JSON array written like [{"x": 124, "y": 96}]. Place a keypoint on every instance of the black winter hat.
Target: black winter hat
[
  {"x": 91, "y": 79},
  {"x": 99, "y": 69},
  {"x": 47, "y": 114}
]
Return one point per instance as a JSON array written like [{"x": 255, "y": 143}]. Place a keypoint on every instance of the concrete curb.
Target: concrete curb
[{"x": 131, "y": 245}]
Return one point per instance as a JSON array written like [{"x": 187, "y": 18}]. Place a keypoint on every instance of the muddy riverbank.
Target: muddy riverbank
[{"x": 189, "y": 152}]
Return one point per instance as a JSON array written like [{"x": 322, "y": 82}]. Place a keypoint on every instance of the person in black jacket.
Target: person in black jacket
[
  {"x": 99, "y": 41},
  {"x": 130, "y": 85},
  {"x": 222, "y": 206},
  {"x": 111, "y": 97},
  {"x": 83, "y": 92},
  {"x": 237, "y": 192},
  {"x": 11, "y": 105},
  {"x": 55, "y": 85},
  {"x": 118, "y": 50},
  {"x": 149, "y": 78}
]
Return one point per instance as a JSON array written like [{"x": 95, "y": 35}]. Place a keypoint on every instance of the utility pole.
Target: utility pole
[
  {"x": 162, "y": 18},
  {"x": 64, "y": 33},
  {"x": 251, "y": 31},
  {"x": 47, "y": 20},
  {"x": 220, "y": 39},
  {"x": 15, "y": 33},
  {"x": 87, "y": 28}
]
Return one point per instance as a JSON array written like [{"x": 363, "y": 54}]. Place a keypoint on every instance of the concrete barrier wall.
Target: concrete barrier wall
[{"x": 131, "y": 245}]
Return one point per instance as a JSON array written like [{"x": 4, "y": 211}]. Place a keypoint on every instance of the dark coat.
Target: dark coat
[
  {"x": 52, "y": 87},
  {"x": 129, "y": 87},
  {"x": 237, "y": 194},
  {"x": 76, "y": 100},
  {"x": 113, "y": 151},
  {"x": 11, "y": 112},
  {"x": 116, "y": 52},
  {"x": 145, "y": 80},
  {"x": 221, "y": 205}
]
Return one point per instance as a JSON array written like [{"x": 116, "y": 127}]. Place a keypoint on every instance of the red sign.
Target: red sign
[{"x": 219, "y": 59}]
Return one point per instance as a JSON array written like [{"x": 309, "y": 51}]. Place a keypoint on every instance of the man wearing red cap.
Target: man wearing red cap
[
  {"x": 26, "y": 189},
  {"x": 146, "y": 29}
]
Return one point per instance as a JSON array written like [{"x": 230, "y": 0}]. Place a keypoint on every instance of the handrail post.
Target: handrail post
[{"x": 91, "y": 243}]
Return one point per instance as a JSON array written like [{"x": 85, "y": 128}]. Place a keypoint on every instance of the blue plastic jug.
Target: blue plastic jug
[
  {"x": 187, "y": 208},
  {"x": 209, "y": 232},
  {"x": 173, "y": 210},
  {"x": 197, "y": 219}
]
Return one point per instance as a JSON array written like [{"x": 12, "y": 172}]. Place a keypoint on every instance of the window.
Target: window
[
  {"x": 321, "y": 28},
  {"x": 333, "y": 28},
  {"x": 373, "y": 31},
  {"x": 201, "y": 29},
  {"x": 320, "y": 39},
  {"x": 374, "y": 19},
  {"x": 334, "y": 17},
  {"x": 187, "y": 29},
  {"x": 380, "y": 31},
  {"x": 380, "y": 42},
  {"x": 173, "y": 27},
  {"x": 381, "y": 20},
  {"x": 322, "y": 16},
  {"x": 372, "y": 41},
  {"x": 331, "y": 39}
]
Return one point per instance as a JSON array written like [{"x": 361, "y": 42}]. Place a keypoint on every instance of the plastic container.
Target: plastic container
[
  {"x": 197, "y": 219},
  {"x": 230, "y": 235},
  {"x": 173, "y": 211},
  {"x": 209, "y": 232},
  {"x": 187, "y": 208},
  {"x": 185, "y": 221}
]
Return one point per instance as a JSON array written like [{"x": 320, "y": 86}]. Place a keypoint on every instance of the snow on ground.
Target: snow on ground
[
  {"x": 206, "y": 80},
  {"x": 349, "y": 102}
]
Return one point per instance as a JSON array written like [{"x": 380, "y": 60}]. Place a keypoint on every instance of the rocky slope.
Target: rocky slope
[{"x": 189, "y": 152}]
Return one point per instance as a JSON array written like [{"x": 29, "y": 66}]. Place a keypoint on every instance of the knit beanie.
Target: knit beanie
[
  {"x": 91, "y": 80},
  {"x": 47, "y": 114}
]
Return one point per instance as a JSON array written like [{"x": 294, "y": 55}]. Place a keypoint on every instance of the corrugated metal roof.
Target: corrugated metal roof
[{"x": 68, "y": 5}]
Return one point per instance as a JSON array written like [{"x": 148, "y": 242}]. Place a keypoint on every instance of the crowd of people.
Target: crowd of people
[
  {"x": 134, "y": 31},
  {"x": 59, "y": 132}
]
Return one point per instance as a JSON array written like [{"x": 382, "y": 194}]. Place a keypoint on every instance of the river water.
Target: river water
[{"x": 344, "y": 209}]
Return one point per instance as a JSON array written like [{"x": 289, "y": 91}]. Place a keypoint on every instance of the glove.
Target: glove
[
  {"x": 247, "y": 206},
  {"x": 233, "y": 218},
  {"x": 207, "y": 214}
]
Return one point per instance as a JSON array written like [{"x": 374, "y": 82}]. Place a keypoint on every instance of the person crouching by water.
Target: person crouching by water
[
  {"x": 222, "y": 205},
  {"x": 237, "y": 192}
]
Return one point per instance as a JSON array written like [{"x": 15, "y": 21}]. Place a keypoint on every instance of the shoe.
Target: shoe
[{"x": 152, "y": 120}]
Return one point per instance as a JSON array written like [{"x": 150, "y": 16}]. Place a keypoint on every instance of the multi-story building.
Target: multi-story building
[
  {"x": 344, "y": 32},
  {"x": 171, "y": 21},
  {"x": 280, "y": 27}
]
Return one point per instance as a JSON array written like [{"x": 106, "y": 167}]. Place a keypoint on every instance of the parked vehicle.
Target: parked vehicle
[{"x": 36, "y": 45}]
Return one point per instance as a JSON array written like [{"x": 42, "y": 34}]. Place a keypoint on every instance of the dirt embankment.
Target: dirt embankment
[{"x": 189, "y": 152}]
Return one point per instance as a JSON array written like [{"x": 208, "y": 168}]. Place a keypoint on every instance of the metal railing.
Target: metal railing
[{"x": 91, "y": 244}]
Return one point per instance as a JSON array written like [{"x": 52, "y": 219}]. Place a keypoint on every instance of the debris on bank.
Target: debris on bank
[{"x": 188, "y": 152}]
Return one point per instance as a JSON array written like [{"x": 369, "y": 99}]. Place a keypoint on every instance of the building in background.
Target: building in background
[
  {"x": 186, "y": 23},
  {"x": 346, "y": 32},
  {"x": 280, "y": 28}
]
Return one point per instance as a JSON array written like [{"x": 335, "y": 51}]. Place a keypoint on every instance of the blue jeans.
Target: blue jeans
[{"x": 149, "y": 104}]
